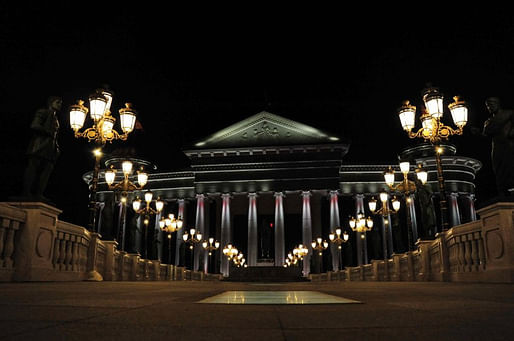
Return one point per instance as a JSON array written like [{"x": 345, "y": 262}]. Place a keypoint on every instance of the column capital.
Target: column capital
[
  {"x": 279, "y": 194},
  {"x": 359, "y": 196},
  {"x": 226, "y": 196},
  {"x": 253, "y": 195},
  {"x": 454, "y": 194},
  {"x": 306, "y": 194},
  {"x": 200, "y": 196},
  {"x": 334, "y": 192}
]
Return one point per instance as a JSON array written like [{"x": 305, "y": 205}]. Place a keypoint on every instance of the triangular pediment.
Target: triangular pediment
[{"x": 265, "y": 129}]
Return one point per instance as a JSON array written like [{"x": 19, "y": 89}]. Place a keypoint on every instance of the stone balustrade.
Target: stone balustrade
[
  {"x": 479, "y": 251},
  {"x": 36, "y": 246},
  {"x": 10, "y": 221}
]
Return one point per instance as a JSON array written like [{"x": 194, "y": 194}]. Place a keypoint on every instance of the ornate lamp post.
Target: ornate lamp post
[
  {"x": 169, "y": 225},
  {"x": 385, "y": 211},
  {"x": 210, "y": 246},
  {"x": 146, "y": 212},
  {"x": 124, "y": 186},
  {"x": 407, "y": 188},
  {"x": 239, "y": 260},
  {"x": 361, "y": 224},
  {"x": 319, "y": 245},
  {"x": 192, "y": 238},
  {"x": 230, "y": 251},
  {"x": 100, "y": 133},
  {"x": 336, "y": 239},
  {"x": 434, "y": 131}
]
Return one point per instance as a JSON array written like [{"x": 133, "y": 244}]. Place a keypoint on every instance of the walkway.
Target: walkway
[{"x": 168, "y": 311}]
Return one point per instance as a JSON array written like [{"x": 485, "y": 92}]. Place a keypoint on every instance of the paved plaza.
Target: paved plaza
[{"x": 172, "y": 311}]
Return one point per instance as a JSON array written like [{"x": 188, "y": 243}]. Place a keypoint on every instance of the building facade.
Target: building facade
[{"x": 267, "y": 184}]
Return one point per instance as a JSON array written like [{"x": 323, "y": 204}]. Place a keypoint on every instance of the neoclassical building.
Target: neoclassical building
[{"x": 267, "y": 184}]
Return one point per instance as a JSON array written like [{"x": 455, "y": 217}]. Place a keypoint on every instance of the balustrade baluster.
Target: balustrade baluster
[
  {"x": 9, "y": 246},
  {"x": 2, "y": 235},
  {"x": 462, "y": 259},
  {"x": 474, "y": 255},
  {"x": 75, "y": 254},
  {"x": 481, "y": 253},
  {"x": 467, "y": 255},
  {"x": 62, "y": 251},
  {"x": 67, "y": 257}
]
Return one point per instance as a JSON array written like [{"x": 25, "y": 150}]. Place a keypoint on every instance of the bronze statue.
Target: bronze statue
[
  {"x": 500, "y": 127},
  {"x": 43, "y": 150}
]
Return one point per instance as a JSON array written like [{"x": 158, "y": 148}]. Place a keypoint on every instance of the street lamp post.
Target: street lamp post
[
  {"x": 169, "y": 225},
  {"x": 407, "y": 188},
  {"x": 361, "y": 224},
  {"x": 210, "y": 246},
  {"x": 100, "y": 133},
  {"x": 146, "y": 211},
  {"x": 192, "y": 238},
  {"x": 336, "y": 239},
  {"x": 319, "y": 245},
  {"x": 125, "y": 186},
  {"x": 434, "y": 131},
  {"x": 385, "y": 211}
]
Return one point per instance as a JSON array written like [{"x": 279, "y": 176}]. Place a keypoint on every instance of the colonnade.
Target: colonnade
[{"x": 461, "y": 209}]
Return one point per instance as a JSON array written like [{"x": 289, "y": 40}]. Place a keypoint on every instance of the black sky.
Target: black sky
[{"x": 193, "y": 71}]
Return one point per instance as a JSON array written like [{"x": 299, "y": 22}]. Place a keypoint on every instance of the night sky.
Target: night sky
[{"x": 192, "y": 71}]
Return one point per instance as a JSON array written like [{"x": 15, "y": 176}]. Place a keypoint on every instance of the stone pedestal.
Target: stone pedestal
[
  {"x": 498, "y": 236},
  {"x": 35, "y": 242}
]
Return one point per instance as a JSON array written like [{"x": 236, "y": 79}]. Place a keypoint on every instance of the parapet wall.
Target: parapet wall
[
  {"x": 479, "y": 251},
  {"x": 36, "y": 246}
]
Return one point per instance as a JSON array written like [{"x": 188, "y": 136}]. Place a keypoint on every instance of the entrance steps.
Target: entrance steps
[{"x": 265, "y": 274}]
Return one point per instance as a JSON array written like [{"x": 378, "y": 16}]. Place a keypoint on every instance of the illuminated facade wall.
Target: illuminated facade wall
[{"x": 269, "y": 170}]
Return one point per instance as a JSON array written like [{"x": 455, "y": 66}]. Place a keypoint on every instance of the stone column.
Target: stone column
[
  {"x": 180, "y": 214},
  {"x": 385, "y": 231},
  {"x": 306, "y": 230},
  {"x": 200, "y": 228},
  {"x": 454, "y": 209},
  {"x": 469, "y": 212},
  {"x": 226, "y": 233},
  {"x": 122, "y": 227},
  {"x": 252, "y": 229},
  {"x": 100, "y": 207},
  {"x": 414, "y": 222},
  {"x": 279, "y": 229},
  {"x": 334, "y": 223},
  {"x": 138, "y": 235},
  {"x": 157, "y": 239},
  {"x": 362, "y": 249}
]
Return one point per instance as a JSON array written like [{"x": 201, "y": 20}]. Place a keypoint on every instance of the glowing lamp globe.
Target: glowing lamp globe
[
  {"x": 459, "y": 112},
  {"x": 126, "y": 167},
  {"x": 110, "y": 176},
  {"x": 407, "y": 114},
  {"x": 389, "y": 177},
  {"x": 97, "y": 105},
  {"x": 127, "y": 118},
  {"x": 78, "y": 113},
  {"x": 434, "y": 103}
]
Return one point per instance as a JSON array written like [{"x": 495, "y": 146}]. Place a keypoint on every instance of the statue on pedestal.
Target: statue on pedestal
[
  {"x": 500, "y": 127},
  {"x": 43, "y": 150}
]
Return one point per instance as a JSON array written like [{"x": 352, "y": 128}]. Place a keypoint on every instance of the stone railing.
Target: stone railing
[
  {"x": 10, "y": 221},
  {"x": 36, "y": 246},
  {"x": 479, "y": 251}
]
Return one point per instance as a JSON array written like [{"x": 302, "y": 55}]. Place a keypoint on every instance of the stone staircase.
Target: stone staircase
[{"x": 265, "y": 274}]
